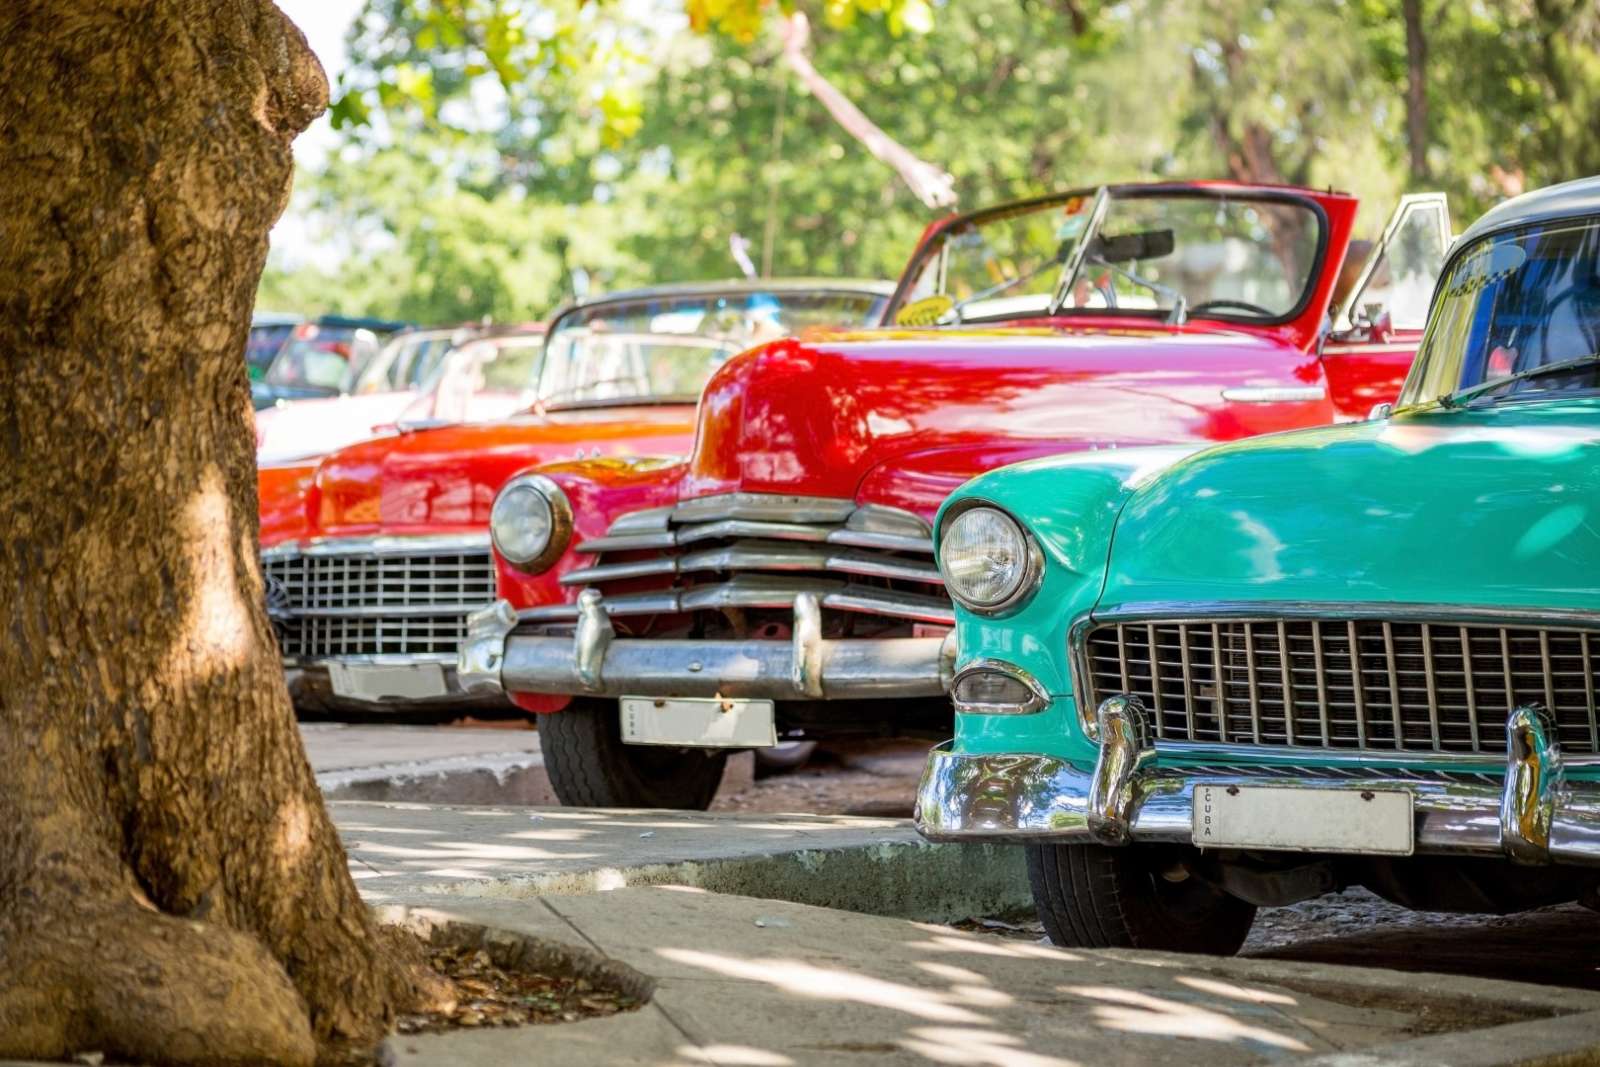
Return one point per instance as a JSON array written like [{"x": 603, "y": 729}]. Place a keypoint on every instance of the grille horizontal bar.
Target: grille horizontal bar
[
  {"x": 329, "y": 604},
  {"x": 1357, "y": 684},
  {"x": 756, "y": 551}
]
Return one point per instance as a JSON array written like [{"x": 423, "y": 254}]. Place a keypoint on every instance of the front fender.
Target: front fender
[{"x": 1070, "y": 505}]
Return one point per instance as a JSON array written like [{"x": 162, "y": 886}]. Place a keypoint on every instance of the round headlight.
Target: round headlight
[
  {"x": 530, "y": 523},
  {"x": 988, "y": 562}
]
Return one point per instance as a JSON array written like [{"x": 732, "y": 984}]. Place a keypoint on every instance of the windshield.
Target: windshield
[
  {"x": 1231, "y": 257},
  {"x": 487, "y": 379},
  {"x": 1511, "y": 304},
  {"x": 665, "y": 347}
]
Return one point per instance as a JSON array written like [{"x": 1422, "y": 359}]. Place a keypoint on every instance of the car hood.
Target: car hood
[
  {"x": 823, "y": 416},
  {"x": 1498, "y": 506},
  {"x": 410, "y": 482}
]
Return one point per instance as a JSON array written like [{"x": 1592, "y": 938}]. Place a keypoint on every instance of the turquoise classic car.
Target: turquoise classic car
[{"x": 1193, "y": 684}]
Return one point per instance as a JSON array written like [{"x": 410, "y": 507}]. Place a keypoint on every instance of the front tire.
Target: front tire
[
  {"x": 1093, "y": 896},
  {"x": 591, "y": 767}
]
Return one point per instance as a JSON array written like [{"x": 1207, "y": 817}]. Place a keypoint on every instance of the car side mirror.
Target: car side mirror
[{"x": 1380, "y": 412}]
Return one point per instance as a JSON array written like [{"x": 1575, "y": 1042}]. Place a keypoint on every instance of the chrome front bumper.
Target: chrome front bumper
[
  {"x": 1531, "y": 813},
  {"x": 595, "y": 662}
]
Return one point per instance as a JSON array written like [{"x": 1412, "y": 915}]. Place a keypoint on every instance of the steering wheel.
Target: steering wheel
[{"x": 1243, "y": 305}]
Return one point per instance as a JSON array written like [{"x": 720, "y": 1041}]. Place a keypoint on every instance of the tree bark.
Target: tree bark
[
  {"x": 171, "y": 888},
  {"x": 1416, "y": 89}
]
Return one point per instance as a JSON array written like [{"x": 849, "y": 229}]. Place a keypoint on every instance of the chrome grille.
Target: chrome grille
[
  {"x": 378, "y": 596},
  {"x": 1360, "y": 684},
  {"x": 754, "y": 551}
]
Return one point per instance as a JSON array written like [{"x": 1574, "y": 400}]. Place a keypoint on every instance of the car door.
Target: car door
[{"x": 1375, "y": 332}]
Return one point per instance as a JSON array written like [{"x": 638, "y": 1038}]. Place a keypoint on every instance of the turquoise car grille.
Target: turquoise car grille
[{"x": 1358, "y": 684}]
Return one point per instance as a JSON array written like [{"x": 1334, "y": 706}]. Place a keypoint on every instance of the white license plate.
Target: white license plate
[
  {"x": 698, "y": 722},
  {"x": 373, "y": 681},
  {"x": 1371, "y": 821}
]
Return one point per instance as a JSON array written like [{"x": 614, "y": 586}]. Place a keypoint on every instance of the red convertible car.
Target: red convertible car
[
  {"x": 779, "y": 583},
  {"x": 374, "y": 557}
]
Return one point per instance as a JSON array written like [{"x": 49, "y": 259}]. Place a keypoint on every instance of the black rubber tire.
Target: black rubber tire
[
  {"x": 786, "y": 757},
  {"x": 1093, "y": 896},
  {"x": 590, "y": 767}
]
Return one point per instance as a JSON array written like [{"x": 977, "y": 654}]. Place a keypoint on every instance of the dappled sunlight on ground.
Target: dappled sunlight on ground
[
  {"x": 802, "y": 979},
  {"x": 943, "y": 1044},
  {"x": 734, "y": 1056},
  {"x": 1135, "y": 1012}
]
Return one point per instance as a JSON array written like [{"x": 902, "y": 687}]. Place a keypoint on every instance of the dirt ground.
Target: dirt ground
[{"x": 864, "y": 778}]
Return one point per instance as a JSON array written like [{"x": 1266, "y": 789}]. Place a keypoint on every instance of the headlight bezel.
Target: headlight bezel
[
  {"x": 1033, "y": 560},
  {"x": 561, "y": 525}
]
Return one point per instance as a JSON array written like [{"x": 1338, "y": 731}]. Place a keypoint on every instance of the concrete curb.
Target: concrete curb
[
  {"x": 1563, "y": 1041},
  {"x": 904, "y": 880}
]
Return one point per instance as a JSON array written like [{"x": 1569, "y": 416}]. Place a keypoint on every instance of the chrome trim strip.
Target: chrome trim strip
[
  {"x": 742, "y": 591},
  {"x": 386, "y": 545},
  {"x": 627, "y": 542},
  {"x": 872, "y": 539},
  {"x": 1031, "y": 797},
  {"x": 1036, "y": 703},
  {"x": 1192, "y": 611},
  {"x": 386, "y": 659},
  {"x": 375, "y": 611},
  {"x": 649, "y": 520},
  {"x": 766, "y": 507}
]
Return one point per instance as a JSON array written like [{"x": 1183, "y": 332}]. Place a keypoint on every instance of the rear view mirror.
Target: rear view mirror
[{"x": 1123, "y": 247}]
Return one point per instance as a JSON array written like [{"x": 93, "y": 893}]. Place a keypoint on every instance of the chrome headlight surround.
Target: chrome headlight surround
[
  {"x": 528, "y": 499},
  {"x": 1029, "y": 577},
  {"x": 1028, "y": 696}
]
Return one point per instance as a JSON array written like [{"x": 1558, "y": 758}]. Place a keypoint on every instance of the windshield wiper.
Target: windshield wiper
[
  {"x": 952, "y": 314},
  {"x": 1180, "y": 303},
  {"x": 1460, "y": 397}
]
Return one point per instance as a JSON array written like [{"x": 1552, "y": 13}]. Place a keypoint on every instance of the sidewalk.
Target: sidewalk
[
  {"x": 746, "y": 976},
  {"x": 741, "y": 981}
]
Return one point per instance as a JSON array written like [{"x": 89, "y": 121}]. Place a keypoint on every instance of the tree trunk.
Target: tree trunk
[
  {"x": 171, "y": 888},
  {"x": 1416, "y": 89}
]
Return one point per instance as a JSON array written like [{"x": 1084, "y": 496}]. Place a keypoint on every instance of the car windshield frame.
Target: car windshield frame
[
  {"x": 560, "y": 396},
  {"x": 1440, "y": 374},
  {"x": 936, "y": 245}
]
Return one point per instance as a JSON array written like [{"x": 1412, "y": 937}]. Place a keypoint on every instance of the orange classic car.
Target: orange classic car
[{"x": 375, "y": 555}]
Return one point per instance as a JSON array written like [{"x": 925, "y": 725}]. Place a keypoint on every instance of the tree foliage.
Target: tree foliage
[{"x": 498, "y": 155}]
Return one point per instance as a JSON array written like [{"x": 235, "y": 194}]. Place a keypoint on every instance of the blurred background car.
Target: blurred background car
[
  {"x": 268, "y": 331},
  {"x": 421, "y": 377},
  {"x": 322, "y": 358}
]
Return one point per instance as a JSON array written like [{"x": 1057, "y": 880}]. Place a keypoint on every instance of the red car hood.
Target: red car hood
[
  {"x": 907, "y": 416},
  {"x": 443, "y": 479}
]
